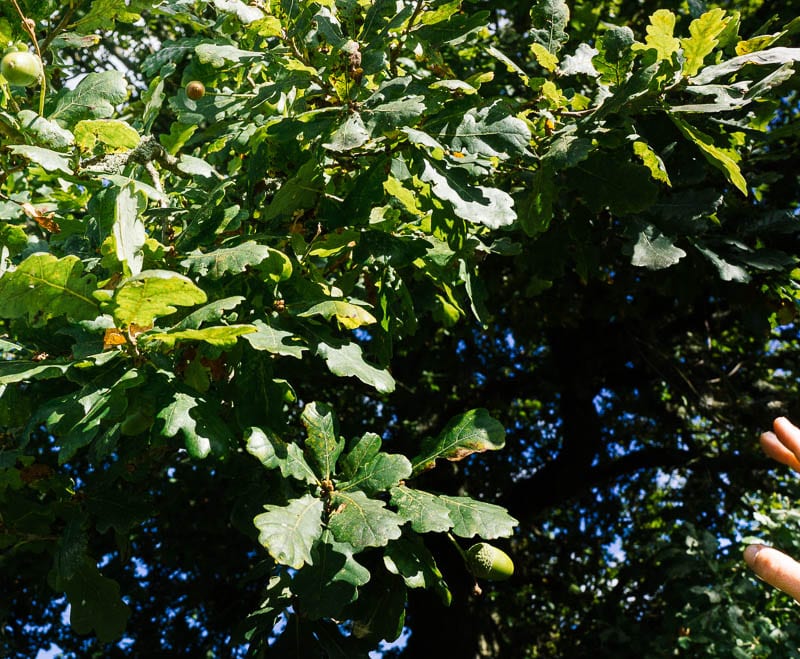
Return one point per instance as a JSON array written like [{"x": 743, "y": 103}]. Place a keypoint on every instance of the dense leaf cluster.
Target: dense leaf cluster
[{"x": 262, "y": 345}]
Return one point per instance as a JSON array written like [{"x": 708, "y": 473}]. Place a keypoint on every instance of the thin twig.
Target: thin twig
[
  {"x": 395, "y": 52},
  {"x": 62, "y": 25}
]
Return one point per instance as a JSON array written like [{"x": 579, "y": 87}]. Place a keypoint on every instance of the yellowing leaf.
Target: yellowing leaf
[
  {"x": 546, "y": 59},
  {"x": 116, "y": 135},
  {"x": 722, "y": 159},
  {"x": 553, "y": 95},
  {"x": 44, "y": 287},
  {"x": 151, "y": 294},
  {"x": 269, "y": 26},
  {"x": 222, "y": 336},
  {"x": 652, "y": 161},
  {"x": 405, "y": 196},
  {"x": 472, "y": 432},
  {"x": 757, "y": 43},
  {"x": 42, "y": 216},
  {"x": 704, "y": 33},
  {"x": 660, "y": 34},
  {"x": 113, "y": 337},
  {"x": 348, "y": 315}
]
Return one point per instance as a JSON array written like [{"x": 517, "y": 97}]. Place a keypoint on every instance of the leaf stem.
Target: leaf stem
[{"x": 458, "y": 547}]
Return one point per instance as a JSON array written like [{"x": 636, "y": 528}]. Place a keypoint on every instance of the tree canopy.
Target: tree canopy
[{"x": 300, "y": 301}]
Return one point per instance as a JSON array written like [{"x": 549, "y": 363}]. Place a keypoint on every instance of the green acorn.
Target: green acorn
[
  {"x": 21, "y": 68},
  {"x": 486, "y": 561}
]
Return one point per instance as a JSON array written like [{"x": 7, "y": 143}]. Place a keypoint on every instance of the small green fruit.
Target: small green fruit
[
  {"x": 195, "y": 90},
  {"x": 21, "y": 68},
  {"x": 488, "y": 562}
]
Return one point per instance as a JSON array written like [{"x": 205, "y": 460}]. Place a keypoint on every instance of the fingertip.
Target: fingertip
[
  {"x": 750, "y": 553},
  {"x": 775, "y": 567},
  {"x": 768, "y": 437}
]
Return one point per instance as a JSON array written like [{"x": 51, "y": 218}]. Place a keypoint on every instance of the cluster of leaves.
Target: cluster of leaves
[
  {"x": 343, "y": 511},
  {"x": 345, "y": 209},
  {"x": 152, "y": 294}
]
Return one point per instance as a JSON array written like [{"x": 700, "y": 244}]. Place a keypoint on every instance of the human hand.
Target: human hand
[{"x": 773, "y": 566}]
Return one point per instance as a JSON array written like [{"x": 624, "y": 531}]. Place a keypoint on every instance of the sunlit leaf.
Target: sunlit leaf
[
  {"x": 704, "y": 32},
  {"x": 474, "y": 203},
  {"x": 196, "y": 167},
  {"x": 426, "y": 512},
  {"x": 199, "y": 424},
  {"x": 655, "y": 251},
  {"x": 472, "y": 432},
  {"x": 382, "y": 472},
  {"x": 768, "y": 57},
  {"x": 323, "y": 444},
  {"x": 274, "y": 453},
  {"x": 209, "y": 313},
  {"x": 235, "y": 260},
  {"x": 48, "y": 133},
  {"x": 246, "y": 13},
  {"x": 222, "y": 336},
  {"x": 115, "y": 134},
  {"x": 348, "y": 360},
  {"x": 44, "y": 286},
  {"x": 491, "y": 131},
  {"x": 652, "y": 161},
  {"x": 348, "y": 315},
  {"x": 660, "y": 34},
  {"x": 721, "y": 158},
  {"x": 549, "y": 19},
  {"x": 18, "y": 370},
  {"x": 362, "y": 522},
  {"x": 102, "y": 15},
  {"x": 727, "y": 271},
  {"x": 50, "y": 161},
  {"x": 290, "y": 532},
  {"x": 471, "y": 518},
  {"x": 152, "y": 294},
  {"x": 128, "y": 229},
  {"x": 275, "y": 340},
  {"x": 94, "y": 97},
  {"x": 219, "y": 55},
  {"x": 544, "y": 57}
]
